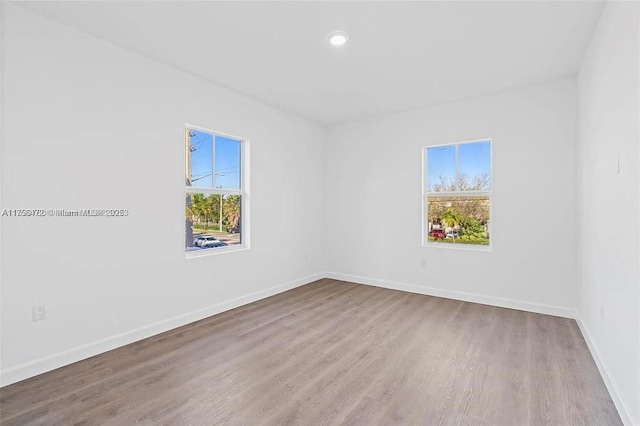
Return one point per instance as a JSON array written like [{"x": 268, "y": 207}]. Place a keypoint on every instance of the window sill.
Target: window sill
[
  {"x": 214, "y": 251},
  {"x": 453, "y": 246}
]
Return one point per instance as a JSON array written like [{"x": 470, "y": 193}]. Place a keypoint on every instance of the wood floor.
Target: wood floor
[{"x": 333, "y": 352}]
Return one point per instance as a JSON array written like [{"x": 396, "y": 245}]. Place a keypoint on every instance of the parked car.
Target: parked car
[
  {"x": 207, "y": 241},
  {"x": 452, "y": 234},
  {"x": 199, "y": 240},
  {"x": 437, "y": 233},
  {"x": 234, "y": 229},
  {"x": 212, "y": 244}
]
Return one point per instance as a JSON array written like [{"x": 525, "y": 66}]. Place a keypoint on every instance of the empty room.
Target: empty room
[{"x": 320, "y": 213}]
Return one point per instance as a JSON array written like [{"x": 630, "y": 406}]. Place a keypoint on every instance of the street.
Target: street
[{"x": 225, "y": 237}]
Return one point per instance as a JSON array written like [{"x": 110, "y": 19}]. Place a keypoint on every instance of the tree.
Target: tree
[
  {"x": 204, "y": 208},
  {"x": 480, "y": 182},
  {"x": 450, "y": 218},
  {"x": 212, "y": 208},
  {"x": 466, "y": 207},
  {"x": 197, "y": 207},
  {"x": 471, "y": 227},
  {"x": 232, "y": 210}
]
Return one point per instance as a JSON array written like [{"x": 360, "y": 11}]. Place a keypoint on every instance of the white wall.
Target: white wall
[
  {"x": 89, "y": 125},
  {"x": 374, "y": 200},
  {"x": 609, "y": 212}
]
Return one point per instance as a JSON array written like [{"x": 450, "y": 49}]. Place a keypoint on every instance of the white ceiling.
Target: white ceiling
[{"x": 401, "y": 55}]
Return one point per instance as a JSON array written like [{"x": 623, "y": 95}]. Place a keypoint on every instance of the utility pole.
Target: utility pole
[
  {"x": 187, "y": 156},
  {"x": 188, "y": 240}
]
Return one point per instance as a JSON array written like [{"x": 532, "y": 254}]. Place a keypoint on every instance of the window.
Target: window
[
  {"x": 457, "y": 194},
  {"x": 216, "y": 191}
]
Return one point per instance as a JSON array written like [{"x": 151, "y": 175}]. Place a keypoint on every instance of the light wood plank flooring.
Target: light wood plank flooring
[{"x": 333, "y": 352}]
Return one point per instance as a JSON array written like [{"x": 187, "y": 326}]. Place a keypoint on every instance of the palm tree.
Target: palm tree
[
  {"x": 232, "y": 209},
  {"x": 188, "y": 222},
  {"x": 211, "y": 207},
  {"x": 197, "y": 207},
  {"x": 451, "y": 219}
]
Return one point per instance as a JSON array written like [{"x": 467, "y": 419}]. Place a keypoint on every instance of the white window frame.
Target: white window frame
[
  {"x": 426, "y": 195},
  {"x": 243, "y": 192}
]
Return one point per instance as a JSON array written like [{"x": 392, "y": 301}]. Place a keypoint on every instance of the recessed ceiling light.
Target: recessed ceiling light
[{"x": 338, "y": 38}]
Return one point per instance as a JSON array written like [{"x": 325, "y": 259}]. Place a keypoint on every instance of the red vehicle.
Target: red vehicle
[{"x": 437, "y": 233}]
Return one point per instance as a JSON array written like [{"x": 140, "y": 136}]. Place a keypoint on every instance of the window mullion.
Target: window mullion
[
  {"x": 213, "y": 160},
  {"x": 457, "y": 168}
]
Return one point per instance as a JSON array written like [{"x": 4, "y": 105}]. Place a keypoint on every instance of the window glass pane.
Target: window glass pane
[
  {"x": 200, "y": 164},
  {"x": 212, "y": 221},
  {"x": 458, "y": 220},
  {"x": 474, "y": 166},
  {"x": 441, "y": 168},
  {"x": 227, "y": 174}
]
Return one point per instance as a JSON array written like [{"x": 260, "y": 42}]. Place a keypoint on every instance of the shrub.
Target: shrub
[
  {"x": 205, "y": 227},
  {"x": 467, "y": 239}
]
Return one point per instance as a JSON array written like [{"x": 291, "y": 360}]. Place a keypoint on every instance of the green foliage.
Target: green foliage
[
  {"x": 461, "y": 240},
  {"x": 204, "y": 227},
  {"x": 471, "y": 227},
  {"x": 206, "y": 210},
  {"x": 464, "y": 207},
  {"x": 451, "y": 218},
  {"x": 231, "y": 210}
]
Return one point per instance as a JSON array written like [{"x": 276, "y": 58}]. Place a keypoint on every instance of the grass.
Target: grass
[
  {"x": 461, "y": 240},
  {"x": 212, "y": 227}
]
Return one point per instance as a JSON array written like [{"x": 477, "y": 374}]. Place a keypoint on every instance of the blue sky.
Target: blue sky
[
  {"x": 227, "y": 161},
  {"x": 473, "y": 159}
]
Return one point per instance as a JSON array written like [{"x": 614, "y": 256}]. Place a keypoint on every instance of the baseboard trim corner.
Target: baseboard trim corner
[
  {"x": 42, "y": 365},
  {"x": 623, "y": 409},
  {"x": 458, "y": 295},
  {"x": 621, "y": 405}
]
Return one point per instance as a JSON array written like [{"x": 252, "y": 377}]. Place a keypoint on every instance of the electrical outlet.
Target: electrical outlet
[
  {"x": 423, "y": 263},
  {"x": 39, "y": 312},
  {"x": 602, "y": 312}
]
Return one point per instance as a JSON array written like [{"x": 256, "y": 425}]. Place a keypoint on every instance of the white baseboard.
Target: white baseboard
[
  {"x": 459, "y": 295},
  {"x": 621, "y": 405},
  {"x": 42, "y": 365},
  {"x": 60, "y": 359}
]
